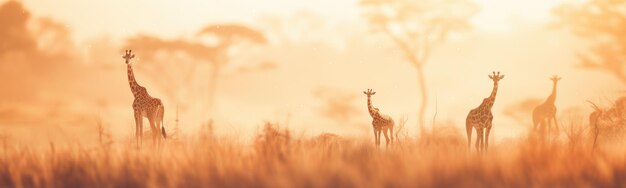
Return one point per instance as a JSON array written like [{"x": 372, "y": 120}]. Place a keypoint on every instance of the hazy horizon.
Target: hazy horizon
[{"x": 310, "y": 75}]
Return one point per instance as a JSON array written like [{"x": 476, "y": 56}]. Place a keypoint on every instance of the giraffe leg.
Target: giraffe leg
[
  {"x": 155, "y": 132},
  {"x": 481, "y": 146},
  {"x": 542, "y": 127},
  {"x": 378, "y": 131},
  {"x": 386, "y": 138},
  {"x": 375, "y": 137},
  {"x": 482, "y": 140},
  {"x": 487, "y": 136},
  {"x": 157, "y": 128},
  {"x": 556, "y": 124},
  {"x": 468, "y": 128},
  {"x": 159, "y": 125},
  {"x": 391, "y": 133},
  {"x": 479, "y": 135},
  {"x": 545, "y": 134},
  {"x": 141, "y": 132},
  {"x": 548, "y": 126},
  {"x": 138, "y": 125}
]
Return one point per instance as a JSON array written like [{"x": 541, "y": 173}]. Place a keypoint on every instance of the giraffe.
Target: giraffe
[
  {"x": 381, "y": 122},
  {"x": 481, "y": 117},
  {"x": 545, "y": 113},
  {"x": 144, "y": 105}
]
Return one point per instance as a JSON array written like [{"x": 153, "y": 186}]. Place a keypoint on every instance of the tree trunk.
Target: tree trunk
[
  {"x": 424, "y": 98},
  {"x": 212, "y": 88}
]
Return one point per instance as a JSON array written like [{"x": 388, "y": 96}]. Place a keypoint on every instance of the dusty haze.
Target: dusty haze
[{"x": 62, "y": 71}]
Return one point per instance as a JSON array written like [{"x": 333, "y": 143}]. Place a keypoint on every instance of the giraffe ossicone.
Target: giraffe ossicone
[{"x": 128, "y": 55}]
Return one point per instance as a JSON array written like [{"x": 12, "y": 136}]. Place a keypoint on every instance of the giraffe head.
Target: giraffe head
[
  {"x": 128, "y": 54},
  {"x": 496, "y": 77},
  {"x": 555, "y": 79},
  {"x": 369, "y": 92}
]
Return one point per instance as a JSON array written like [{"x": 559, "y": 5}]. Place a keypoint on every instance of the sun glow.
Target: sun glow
[{"x": 286, "y": 93}]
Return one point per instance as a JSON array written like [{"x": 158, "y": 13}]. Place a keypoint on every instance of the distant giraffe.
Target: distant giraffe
[
  {"x": 144, "y": 106},
  {"x": 380, "y": 122},
  {"x": 481, "y": 117},
  {"x": 545, "y": 114}
]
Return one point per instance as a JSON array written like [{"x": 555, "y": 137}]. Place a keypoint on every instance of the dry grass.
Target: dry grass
[{"x": 277, "y": 158}]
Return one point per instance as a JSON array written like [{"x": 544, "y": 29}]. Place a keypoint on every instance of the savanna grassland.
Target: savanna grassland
[
  {"x": 277, "y": 157},
  {"x": 305, "y": 64}
]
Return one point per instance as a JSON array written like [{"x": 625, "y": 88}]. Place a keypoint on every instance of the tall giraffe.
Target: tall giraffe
[
  {"x": 380, "y": 122},
  {"x": 481, "y": 117},
  {"x": 144, "y": 105},
  {"x": 545, "y": 113}
]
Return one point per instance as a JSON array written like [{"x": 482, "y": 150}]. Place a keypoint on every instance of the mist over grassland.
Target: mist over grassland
[
  {"x": 279, "y": 158},
  {"x": 288, "y": 108}
]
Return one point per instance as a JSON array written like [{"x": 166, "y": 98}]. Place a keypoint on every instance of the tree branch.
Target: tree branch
[{"x": 404, "y": 46}]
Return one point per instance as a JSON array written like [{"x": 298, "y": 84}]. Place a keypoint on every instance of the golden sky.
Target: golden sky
[
  {"x": 171, "y": 17},
  {"x": 321, "y": 59}
]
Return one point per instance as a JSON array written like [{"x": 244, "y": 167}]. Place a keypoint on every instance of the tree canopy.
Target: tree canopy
[{"x": 603, "y": 24}]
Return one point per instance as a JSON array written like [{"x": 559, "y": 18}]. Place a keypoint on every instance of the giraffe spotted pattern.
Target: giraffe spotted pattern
[
  {"x": 144, "y": 105},
  {"x": 480, "y": 118},
  {"x": 382, "y": 123}
]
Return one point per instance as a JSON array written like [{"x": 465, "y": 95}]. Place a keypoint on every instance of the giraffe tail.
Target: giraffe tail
[
  {"x": 162, "y": 112},
  {"x": 163, "y": 130}
]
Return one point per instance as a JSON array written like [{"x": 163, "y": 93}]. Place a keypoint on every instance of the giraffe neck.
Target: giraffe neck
[
  {"x": 134, "y": 86},
  {"x": 370, "y": 108},
  {"x": 552, "y": 96},
  {"x": 492, "y": 98}
]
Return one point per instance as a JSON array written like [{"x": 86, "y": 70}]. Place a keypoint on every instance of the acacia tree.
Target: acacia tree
[
  {"x": 603, "y": 24},
  {"x": 416, "y": 27},
  {"x": 218, "y": 54},
  {"x": 227, "y": 35},
  {"x": 14, "y": 32}
]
